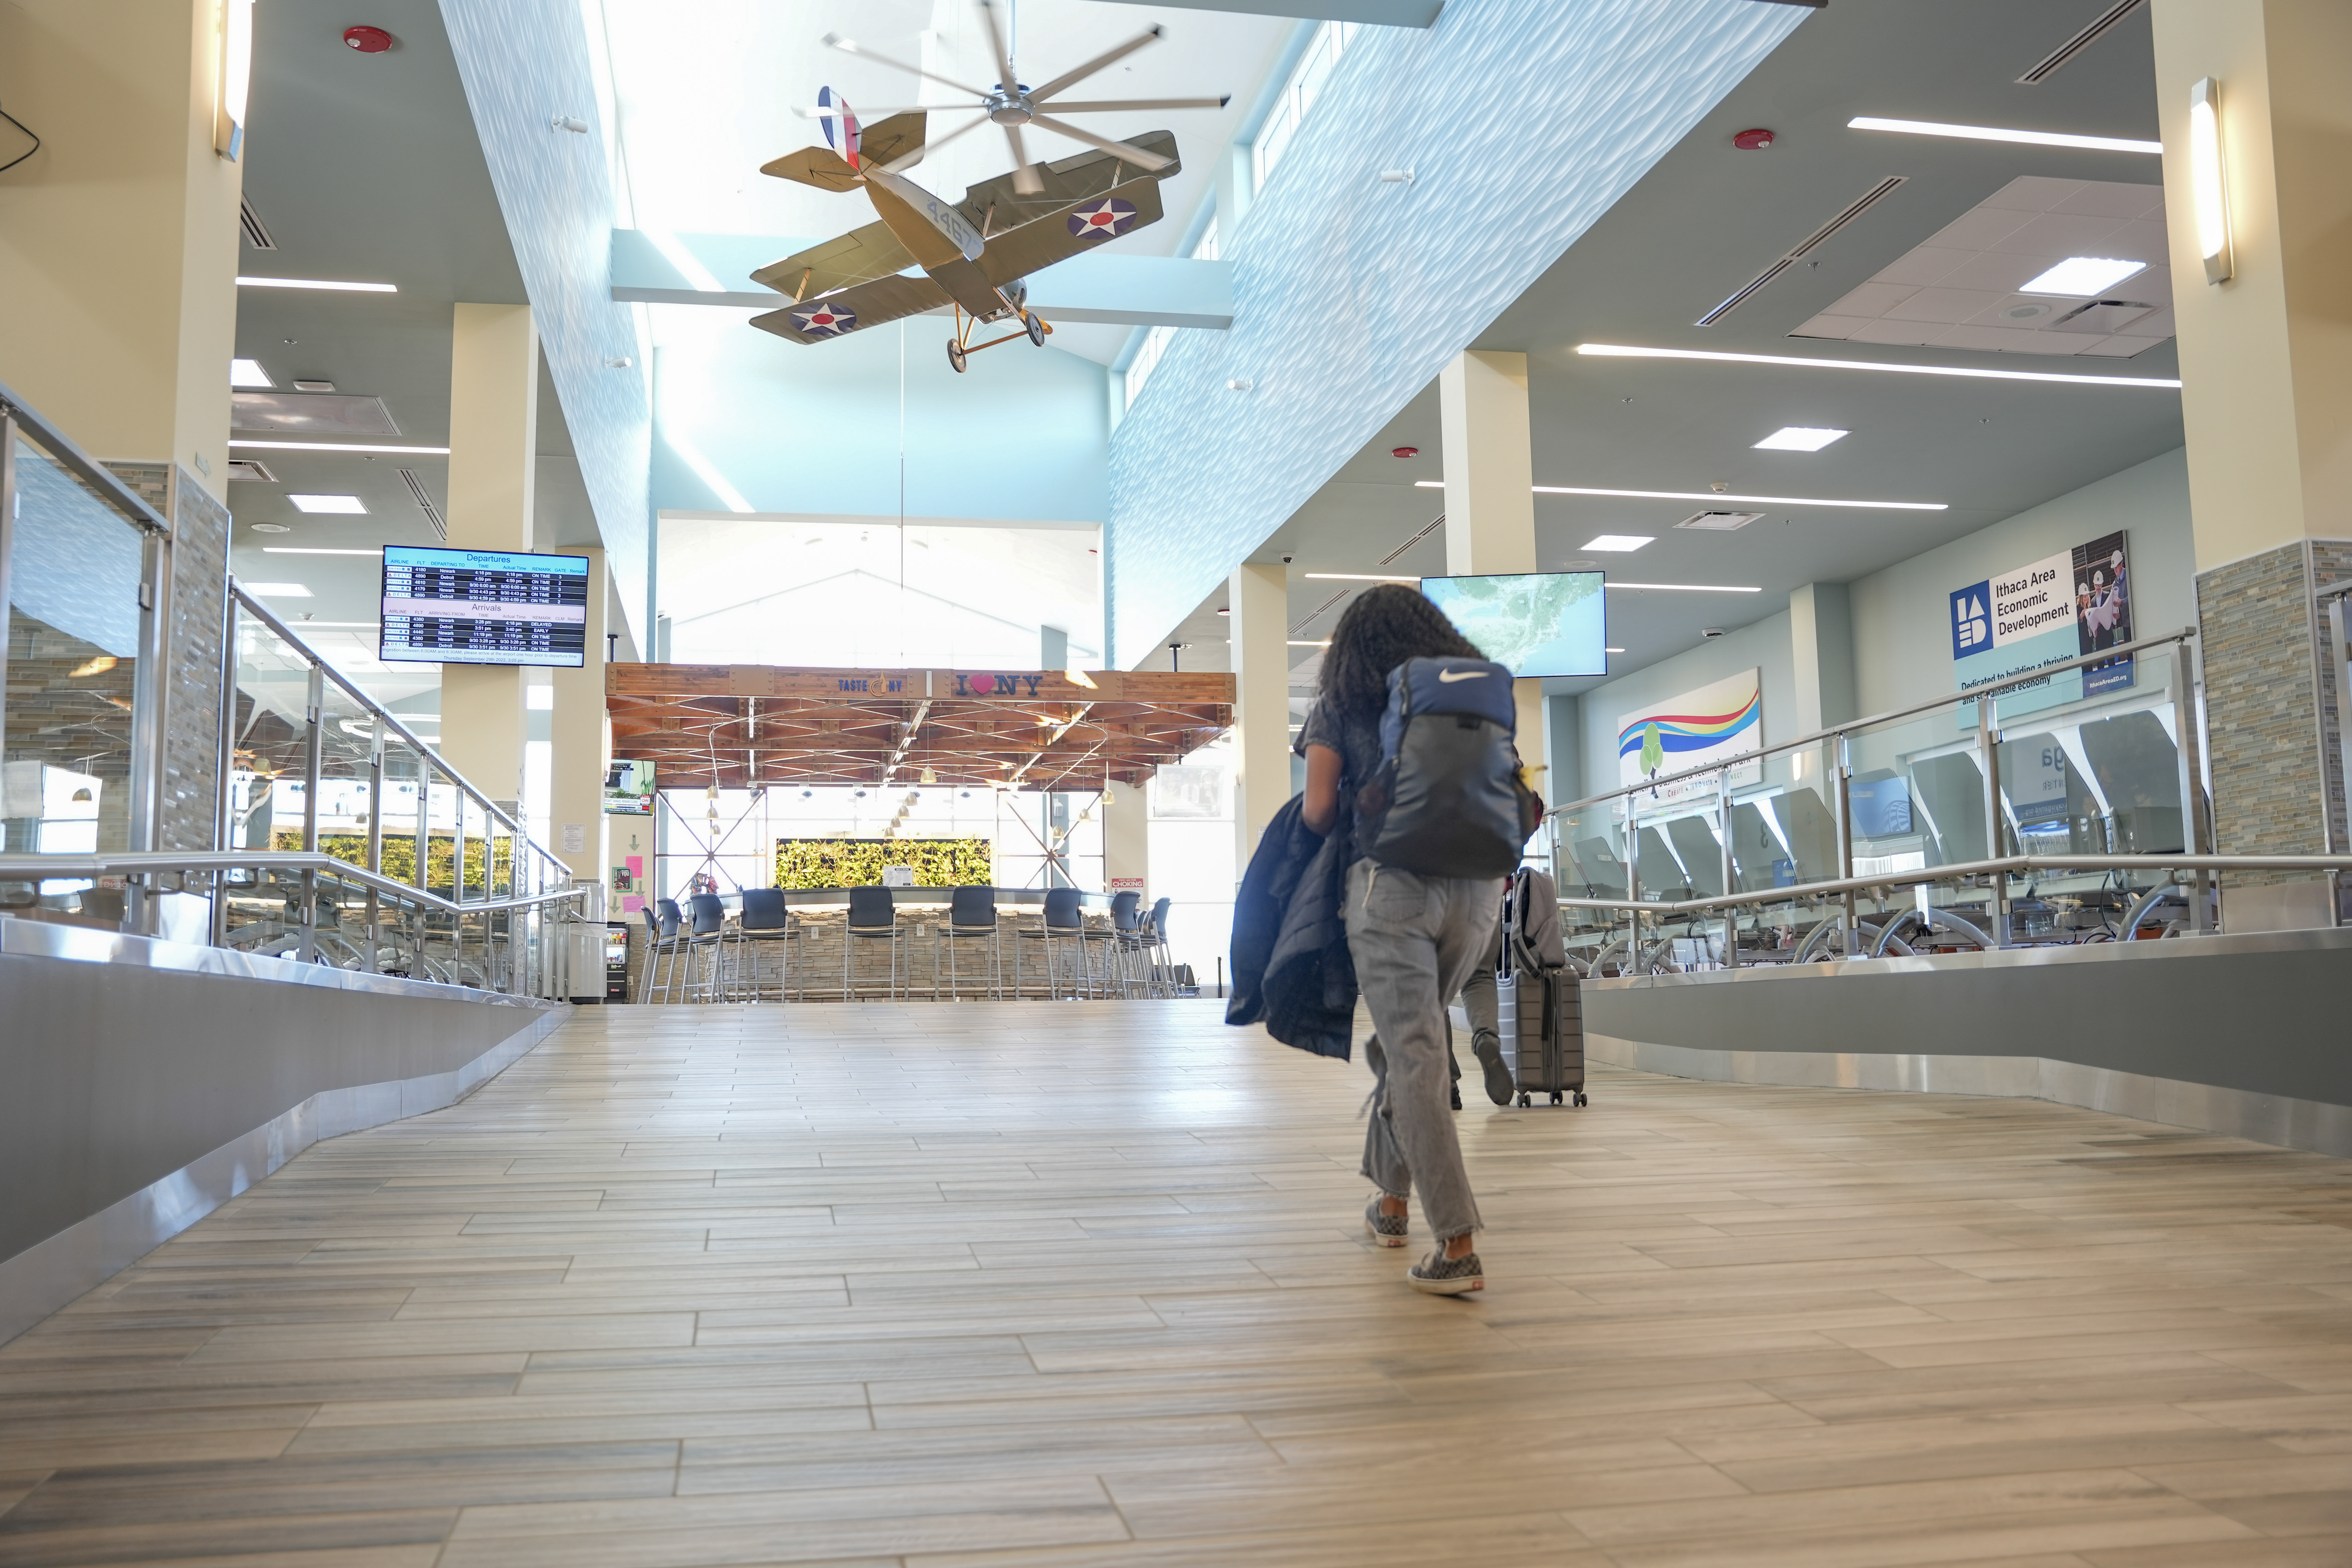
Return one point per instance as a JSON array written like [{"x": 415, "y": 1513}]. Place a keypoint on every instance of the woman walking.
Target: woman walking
[{"x": 1414, "y": 939}]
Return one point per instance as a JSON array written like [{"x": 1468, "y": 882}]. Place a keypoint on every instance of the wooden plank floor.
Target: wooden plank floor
[{"x": 1084, "y": 1284}]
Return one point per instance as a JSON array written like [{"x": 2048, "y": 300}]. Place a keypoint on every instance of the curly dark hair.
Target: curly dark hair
[{"x": 1385, "y": 626}]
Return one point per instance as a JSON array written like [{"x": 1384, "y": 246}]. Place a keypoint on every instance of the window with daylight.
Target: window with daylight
[{"x": 1298, "y": 94}]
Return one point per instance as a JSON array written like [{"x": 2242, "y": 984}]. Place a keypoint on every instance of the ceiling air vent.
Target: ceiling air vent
[
  {"x": 256, "y": 232},
  {"x": 1871, "y": 198},
  {"x": 251, "y": 471},
  {"x": 2063, "y": 55},
  {"x": 1426, "y": 528},
  {"x": 424, "y": 502},
  {"x": 1719, "y": 522}
]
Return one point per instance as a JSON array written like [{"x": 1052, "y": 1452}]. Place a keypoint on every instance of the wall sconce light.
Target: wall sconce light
[
  {"x": 2209, "y": 182},
  {"x": 235, "y": 77}
]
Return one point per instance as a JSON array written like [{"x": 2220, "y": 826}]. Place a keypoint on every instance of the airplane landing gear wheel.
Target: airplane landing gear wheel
[
  {"x": 956, "y": 355},
  {"x": 1036, "y": 330}
]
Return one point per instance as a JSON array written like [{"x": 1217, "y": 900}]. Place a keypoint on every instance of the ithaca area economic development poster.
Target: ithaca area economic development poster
[{"x": 2045, "y": 612}]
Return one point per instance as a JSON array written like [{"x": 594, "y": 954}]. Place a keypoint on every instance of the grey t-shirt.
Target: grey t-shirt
[{"x": 1357, "y": 740}]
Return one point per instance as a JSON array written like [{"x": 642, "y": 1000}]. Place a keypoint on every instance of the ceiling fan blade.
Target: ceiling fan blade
[
  {"x": 1136, "y": 155},
  {"x": 864, "y": 114},
  {"x": 900, "y": 165},
  {"x": 1026, "y": 180},
  {"x": 852, "y": 47},
  {"x": 1070, "y": 79},
  {"x": 1006, "y": 79},
  {"x": 1107, "y": 107}
]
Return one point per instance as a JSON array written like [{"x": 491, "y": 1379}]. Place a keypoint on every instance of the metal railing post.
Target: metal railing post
[
  {"x": 1842, "y": 762},
  {"x": 150, "y": 693},
  {"x": 1996, "y": 836},
  {"x": 2190, "y": 751},
  {"x": 1632, "y": 880},
  {"x": 313, "y": 755},
  {"x": 1730, "y": 873},
  {"x": 374, "y": 848}
]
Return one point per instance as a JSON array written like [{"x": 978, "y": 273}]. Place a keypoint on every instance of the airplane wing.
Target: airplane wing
[
  {"x": 993, "y": 205},
  {"x": 1121, "y": 209},
  {"x": 853, "y": 309},
  {"x": 825, "y": 169},
  {"x": 859, "y": 256}
]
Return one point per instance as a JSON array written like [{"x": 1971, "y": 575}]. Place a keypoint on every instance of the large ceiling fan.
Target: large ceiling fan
[{"x": 1012, "y": 105}]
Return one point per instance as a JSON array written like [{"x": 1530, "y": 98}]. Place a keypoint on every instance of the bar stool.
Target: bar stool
[
  {"x": 764, "y": 924},
  {"x": 705, "y": 944},
  {"x": 1163, "y": 965},
  {"x": 1118, "y": 943},
  {"x": 971, "y": 917},
  {"x": 661, "y": 941},
  {"x": 873, "y": 917},
  {"x": 1063, "y": 924},
  {"x": 673, "y": 920}
]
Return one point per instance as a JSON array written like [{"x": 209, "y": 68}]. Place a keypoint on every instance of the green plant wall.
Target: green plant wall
[{"x": 858, "y": 862}]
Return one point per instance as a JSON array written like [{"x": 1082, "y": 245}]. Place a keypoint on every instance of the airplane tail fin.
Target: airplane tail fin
[{"x": 885, "y": 142}]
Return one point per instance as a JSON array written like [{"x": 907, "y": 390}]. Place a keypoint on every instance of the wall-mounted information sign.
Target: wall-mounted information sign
[{"x": 484, "y": 606}]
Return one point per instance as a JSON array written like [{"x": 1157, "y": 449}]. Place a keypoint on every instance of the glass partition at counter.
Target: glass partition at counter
[{"x": 74, "y": 631}]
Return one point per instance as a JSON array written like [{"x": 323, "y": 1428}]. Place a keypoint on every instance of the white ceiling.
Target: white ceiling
[{"x": 1958, "y": 289}]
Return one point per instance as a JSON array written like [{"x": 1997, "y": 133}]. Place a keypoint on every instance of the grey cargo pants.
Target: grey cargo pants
[{"x": 1414, "y": 940}]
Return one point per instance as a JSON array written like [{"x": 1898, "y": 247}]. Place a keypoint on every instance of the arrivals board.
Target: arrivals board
[{"x": 484, "y": 606}]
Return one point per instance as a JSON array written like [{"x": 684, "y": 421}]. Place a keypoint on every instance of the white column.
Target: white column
[
  {"x": 581, "y": 740},
  {"x": 1259, "y": 626},
  {"x": 1490, "y": 502},
  {"x": 1127, "y": 836},
  {"x": 493, "y": 460}
]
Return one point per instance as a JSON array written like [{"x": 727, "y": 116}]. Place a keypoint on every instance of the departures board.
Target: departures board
[{"x": 484, "y": 606}]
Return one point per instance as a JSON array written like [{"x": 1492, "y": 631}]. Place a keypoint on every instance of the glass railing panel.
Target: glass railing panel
[
  {"x": 73, "y": 630},
  {"x": 270, "y": 714},
  {"x": 346, "y": 741}
]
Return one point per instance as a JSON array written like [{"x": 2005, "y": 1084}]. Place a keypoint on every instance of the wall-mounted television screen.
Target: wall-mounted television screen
[
  {"x": 1531, "y": 623},
  {"x": 484, "y": 606}
]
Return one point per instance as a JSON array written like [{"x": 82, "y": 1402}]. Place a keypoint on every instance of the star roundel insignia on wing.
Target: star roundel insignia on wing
[
  {"x": 1105, "y": 218},
  {"x": 823, "y": 320}
]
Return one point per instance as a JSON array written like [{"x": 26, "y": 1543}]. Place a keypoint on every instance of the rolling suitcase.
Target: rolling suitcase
[{"x": 1538, "y": 1008}]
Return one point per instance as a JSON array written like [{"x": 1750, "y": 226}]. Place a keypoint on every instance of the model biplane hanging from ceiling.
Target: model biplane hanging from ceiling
[{"x": 974, "y": 254}]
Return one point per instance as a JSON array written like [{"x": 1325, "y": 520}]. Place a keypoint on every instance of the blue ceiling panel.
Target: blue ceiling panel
[{"x": 1522, "y": 121}]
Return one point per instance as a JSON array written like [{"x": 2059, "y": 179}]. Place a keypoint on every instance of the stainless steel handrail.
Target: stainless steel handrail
[
  {"x": 40, "y": 868},
  {"x": 1919, "y": 876},
  {"x": 92, "y": 472},
  {"x": 376, "y": 711},
  {"x": 1990, "y": 688}
]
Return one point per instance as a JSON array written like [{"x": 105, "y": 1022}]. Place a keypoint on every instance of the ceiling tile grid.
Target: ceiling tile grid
[{"x": 1959, "y": 288}]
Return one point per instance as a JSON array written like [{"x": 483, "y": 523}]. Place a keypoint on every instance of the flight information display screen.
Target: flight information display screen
[{"x": 484, "y": 606}]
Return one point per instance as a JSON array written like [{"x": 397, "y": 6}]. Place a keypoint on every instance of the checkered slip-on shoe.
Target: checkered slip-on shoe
[
  {"x": 1388, "y": 1229},
  {"x": 1442, "y": 1276}
]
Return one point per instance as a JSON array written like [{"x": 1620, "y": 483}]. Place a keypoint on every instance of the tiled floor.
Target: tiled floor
[{"x": 1085, "y": 1284}]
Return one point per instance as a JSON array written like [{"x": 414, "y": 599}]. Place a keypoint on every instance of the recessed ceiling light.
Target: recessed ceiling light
[
  {"x": 340, "y": 287},
  {"x": 346, "y": 505},
  {"x": 1718, "y": 521},
  {"x": 1357, "y": 577},
  {"x": 1799, "y": 438},
  {"x": 247, "y": 373},
  {"x": 1619, "y": 542},
  {"x": 1682, "y": 587},
  {"x": 1750, "y": 501},
  {"x": 1998, "y": 133},
  {"x": 314, "y": 386},
  {"x": 275, "y": 590},
  {"x": 357, "y": 446},
  {"x": 2083, "y": 276},
  {"x": 304, "y": 549},
  {"x": 1975, "y": 373},
  {"x": 270, "y": 528}
]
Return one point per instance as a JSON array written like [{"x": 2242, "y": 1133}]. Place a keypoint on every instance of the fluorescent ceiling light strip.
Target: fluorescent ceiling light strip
[
  {"x": 342, "y": 446},
  {"x": 1681, "y": 588},
  {"x": 1752, "y": 501},
  {"x": 334, "y": 285},
  {"x": 1972, "y": 372},
  {"x": 1997, "y": 134},
  {"x": 1356, "y": 578}
]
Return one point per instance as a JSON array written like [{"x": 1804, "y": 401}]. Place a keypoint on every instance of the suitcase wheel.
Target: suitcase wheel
[
  {"x": 1581, "y": 1100},
  {"x": 1556, "y": 1097},
  {"x": 1524, "y": 1100}
]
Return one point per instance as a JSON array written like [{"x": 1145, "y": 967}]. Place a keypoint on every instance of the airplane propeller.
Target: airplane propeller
[{"x": 1011, "y": 106}]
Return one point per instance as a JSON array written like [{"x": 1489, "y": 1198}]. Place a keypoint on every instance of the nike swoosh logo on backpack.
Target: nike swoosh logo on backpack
[{"x": 1448, "y": 677}]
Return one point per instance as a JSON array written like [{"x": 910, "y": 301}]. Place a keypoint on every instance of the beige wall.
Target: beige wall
[
  {"x": 580, "y": 741},
  {"x": 1490, "y": 503},
  {"x": 1259, "y": 598},
  {"x": 2266, "y": 358},
  {"x": 118, "y": 238}
]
